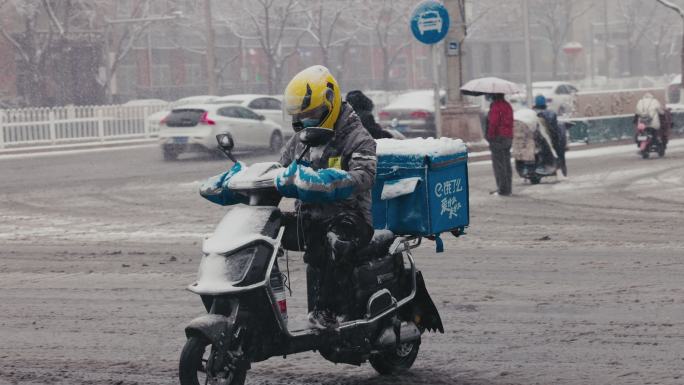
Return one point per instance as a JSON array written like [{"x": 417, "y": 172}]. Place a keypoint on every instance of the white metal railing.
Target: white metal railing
[{"x": 71, "y": 124}]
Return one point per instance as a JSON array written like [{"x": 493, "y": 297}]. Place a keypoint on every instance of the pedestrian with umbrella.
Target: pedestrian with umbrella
[{"x": 499, "y": 130}]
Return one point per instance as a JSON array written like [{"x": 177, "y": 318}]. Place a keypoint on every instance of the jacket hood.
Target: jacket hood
[
  {"x": 346, "y": 122},
  {"x": 359, "y": 101}
]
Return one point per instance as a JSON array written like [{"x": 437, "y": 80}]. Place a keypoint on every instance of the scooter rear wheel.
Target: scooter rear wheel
[
  {"x": 396, "y": 360},
  {"x": 192, "y": 369}
]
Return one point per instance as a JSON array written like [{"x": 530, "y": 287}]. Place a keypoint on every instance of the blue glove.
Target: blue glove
[
  {"x": 285, "y": 182},
  {"x": 322, "y": 186},
  {"x": 216, "y": 190}
]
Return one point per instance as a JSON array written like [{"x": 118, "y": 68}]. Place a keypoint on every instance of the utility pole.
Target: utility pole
[
  {"x": 528, "y": 54},
  {"x": 211, "y": 58},
  {"x": 454, "y": 60},
  {"x": 458, "y": 119},
  {"x": 606, "y": 52}
]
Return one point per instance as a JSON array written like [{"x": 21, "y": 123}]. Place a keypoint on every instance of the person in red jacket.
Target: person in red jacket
[{"x": 500, "y": 138}]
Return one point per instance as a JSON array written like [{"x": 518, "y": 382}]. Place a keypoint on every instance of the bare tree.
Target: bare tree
[
  {"x": 556, "y": 17},
  {"x": 387, "y": 20},
  {"x": 680, "y": 12},
  {"x": 33, "y": 48},
  {"x": 329, "y": 25},
  {"x": 273, "y": 24},
  {"x": 119, "y": 43},
  {"x": 664, "y": 43},
  {"x": 481, "y": 9},
  {"x": 638, "y": 18},
  {"x": 192, "y": 25}
]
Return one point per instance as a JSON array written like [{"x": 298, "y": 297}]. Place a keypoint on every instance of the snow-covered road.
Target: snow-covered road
[{"x": 570, "y": 282}]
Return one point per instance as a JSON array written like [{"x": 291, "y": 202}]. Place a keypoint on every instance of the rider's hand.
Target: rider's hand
[
  {"x": 215, "y": 188},
  {"x": 285, "y": 181},
  {"x": 308, "y": 185}
]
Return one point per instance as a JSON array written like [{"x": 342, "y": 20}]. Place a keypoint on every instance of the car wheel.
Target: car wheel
[
  {"x": 276, "y": 142},
  {"x": 169, "y": 154}
]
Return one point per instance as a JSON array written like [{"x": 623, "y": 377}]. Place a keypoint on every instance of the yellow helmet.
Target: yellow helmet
[{"x": 313, "y": 99}]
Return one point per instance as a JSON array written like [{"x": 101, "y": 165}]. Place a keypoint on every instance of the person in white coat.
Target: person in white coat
[{"x": 648, "y": 111}]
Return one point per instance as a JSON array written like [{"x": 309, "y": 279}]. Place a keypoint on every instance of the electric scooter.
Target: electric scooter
[{"x": 243, "y": 291}]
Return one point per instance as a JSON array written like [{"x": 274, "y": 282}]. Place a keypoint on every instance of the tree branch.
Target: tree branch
[
  {"x": 673, "y": 7},
  {"x": 15, "y": 43},
  {"x": 53, "y": 17}
]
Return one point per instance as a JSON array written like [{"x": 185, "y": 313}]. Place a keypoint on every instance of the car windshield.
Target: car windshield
[
  {"x": 414, "y": 100},
  {"x": 191, "y": 100},
  {"x": 184, "y": 117},
  {"x": 541, "y": 90}
]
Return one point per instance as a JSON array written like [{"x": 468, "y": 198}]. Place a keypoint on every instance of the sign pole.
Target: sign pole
[
  {"x": 435, "y": 88},
  {"x": 429, "y": 24}
]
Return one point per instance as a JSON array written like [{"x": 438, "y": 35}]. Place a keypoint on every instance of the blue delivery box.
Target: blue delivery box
[{"x": 421, "y": 186}]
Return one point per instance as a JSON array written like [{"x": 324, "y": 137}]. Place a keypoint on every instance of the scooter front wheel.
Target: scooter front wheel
[
  {"x": 192, "y": 369},
  {"x": 396, "y": 360}
]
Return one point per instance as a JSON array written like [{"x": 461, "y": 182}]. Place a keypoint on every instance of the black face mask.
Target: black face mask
[{"x": 297, "y": 125}]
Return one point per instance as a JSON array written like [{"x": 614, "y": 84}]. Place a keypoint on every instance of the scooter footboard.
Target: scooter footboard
[{"x": 213, "y": 327}]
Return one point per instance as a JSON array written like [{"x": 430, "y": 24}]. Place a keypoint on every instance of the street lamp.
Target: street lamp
[{"x": 175, "y": 15}]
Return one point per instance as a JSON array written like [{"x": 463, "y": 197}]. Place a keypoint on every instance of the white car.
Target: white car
[
  {"x": 429, "y": 21},
  {"x": 193, "y": 128},
  {"x": 412, "y": 113},
  {"x": 154, "y": 119},
  {"x": 269, "y": 106},
  {"x": 559, "y": 95}
]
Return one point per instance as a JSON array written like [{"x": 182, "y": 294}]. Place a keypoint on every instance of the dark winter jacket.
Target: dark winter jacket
[
  {"x": 351, "y": 149},
  {"x": 363, "y": 106},
  {"x": 500, "y": 120},
  {"x": 556, "y": 131}
]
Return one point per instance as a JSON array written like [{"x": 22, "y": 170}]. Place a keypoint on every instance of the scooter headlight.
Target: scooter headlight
[
  {"x": 248, "y": 266},
  {"x": 238, "y": 264}
]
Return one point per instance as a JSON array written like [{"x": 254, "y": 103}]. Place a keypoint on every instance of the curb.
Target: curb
[
  {"x": 75, "y": 146},
  {"x": 485, "y": 155}
]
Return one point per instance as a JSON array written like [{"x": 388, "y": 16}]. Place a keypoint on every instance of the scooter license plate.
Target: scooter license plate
[
  {"x": 180, "y": 139},
  {"x": 642, "y": 138}
]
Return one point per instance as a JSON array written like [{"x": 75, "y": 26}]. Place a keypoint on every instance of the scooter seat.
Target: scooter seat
[{"x": 378, "y": 246}]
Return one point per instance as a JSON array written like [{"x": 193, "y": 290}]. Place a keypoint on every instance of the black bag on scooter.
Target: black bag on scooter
[{"x": 376, "y": 274}]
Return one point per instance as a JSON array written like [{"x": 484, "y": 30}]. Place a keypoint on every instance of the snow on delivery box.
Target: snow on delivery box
[{"x": 421, "y": 186}]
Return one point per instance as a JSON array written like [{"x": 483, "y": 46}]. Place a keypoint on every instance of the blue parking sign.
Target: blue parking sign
[{"x": 430, "y": 22}]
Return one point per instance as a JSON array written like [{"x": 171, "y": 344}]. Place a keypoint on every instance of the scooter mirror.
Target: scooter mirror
[
  {"x": 225, "y": 141},
  {"x": 315, "y": 136}
]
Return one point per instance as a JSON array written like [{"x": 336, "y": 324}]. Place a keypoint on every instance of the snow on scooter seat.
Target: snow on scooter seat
[{"x": 420, "y": 147}]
